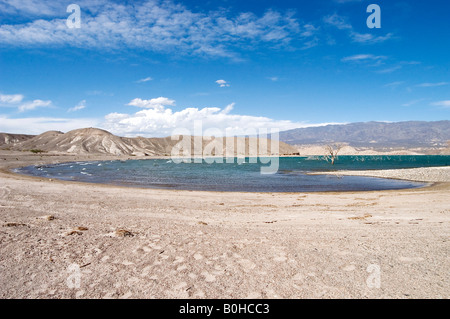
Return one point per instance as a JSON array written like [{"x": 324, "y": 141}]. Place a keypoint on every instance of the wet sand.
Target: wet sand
[{"x": 147, "y": 243}]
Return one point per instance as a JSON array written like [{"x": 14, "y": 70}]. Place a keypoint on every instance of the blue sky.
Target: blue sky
[{"x": 149, "y": 67}]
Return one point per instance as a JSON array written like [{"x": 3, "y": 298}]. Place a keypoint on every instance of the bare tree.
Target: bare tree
[{"x": 332, "y": 151}]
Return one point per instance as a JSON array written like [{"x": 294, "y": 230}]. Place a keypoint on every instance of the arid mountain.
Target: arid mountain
[
  {"x": 11, "y": 139},
  {"x": 375, "y": 135},
  {"x": 97, "y": 141}
]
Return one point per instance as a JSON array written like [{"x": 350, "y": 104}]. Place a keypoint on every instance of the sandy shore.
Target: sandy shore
[
  {"x": 183, "y": 244},
  {"x": 424, "y": 174}
]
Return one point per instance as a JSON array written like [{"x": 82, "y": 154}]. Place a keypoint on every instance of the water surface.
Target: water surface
[{"x": 292, "y": 175}]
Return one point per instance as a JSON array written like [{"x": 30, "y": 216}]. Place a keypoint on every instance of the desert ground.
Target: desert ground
[{"x": 74, "y": 240}]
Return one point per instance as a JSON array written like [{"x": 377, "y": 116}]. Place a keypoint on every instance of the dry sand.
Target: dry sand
[{"x": 185, "y": 244}]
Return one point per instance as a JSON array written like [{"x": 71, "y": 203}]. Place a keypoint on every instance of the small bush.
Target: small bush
[{"x": 36, "y": 151}]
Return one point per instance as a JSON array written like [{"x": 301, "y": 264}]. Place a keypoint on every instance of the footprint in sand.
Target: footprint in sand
[
  {"x": 246, "y": 264},
  {"x": 280, "y": 258},
  {"x": 199, "y": 294},
  {"x": 410, "y": 259},
  {"x": 193, "y": 276},
  {"x": 182, "y": 267},
  {"x": 198, "y": 256},
  {"x": 349, "y": 268},
  {"x": 4, "y": 192},
  {"x": 254, "y": 295},
  {"x": 127, "y": 295},
  {"x": 133, "y": 280},
  {"x": 154, "y": 246},
  {"x": 79, "y": 293},
  {"x": 146, "y": 271},
  {"x": 179, "y": 291},
  {"x": 208, "y": 277},
  {"x": 298, "y": 277}
]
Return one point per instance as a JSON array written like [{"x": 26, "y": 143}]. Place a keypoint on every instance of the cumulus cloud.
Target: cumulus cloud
[
  {"x": 162, "y": 121},
  {"x": 157, "y": 103},
  {"x": 153, "y": 25},
  {"x": 223, "y": 83},
  {"x": 81, "y": 105}
]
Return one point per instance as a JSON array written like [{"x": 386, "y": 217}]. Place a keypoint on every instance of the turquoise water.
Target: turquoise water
[{"x": 291, "y": 176}]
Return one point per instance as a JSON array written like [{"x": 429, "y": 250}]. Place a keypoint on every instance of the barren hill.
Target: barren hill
[
  {"x": 11, "y": 139},
  {"x": 97, "y": 141}
]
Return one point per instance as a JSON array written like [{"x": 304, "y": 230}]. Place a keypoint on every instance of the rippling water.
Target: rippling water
[{"x": 246, "y": 177}]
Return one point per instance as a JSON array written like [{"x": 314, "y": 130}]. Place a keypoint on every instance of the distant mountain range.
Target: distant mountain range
[
  {"x": 417, "y": 137},
  {"x": 376, "y": 135},
  {"x": 97, "y": 141}
]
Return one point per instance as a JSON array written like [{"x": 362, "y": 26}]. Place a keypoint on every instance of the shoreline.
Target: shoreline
[
  {"x": 412, "y": 174},
  {"x": 156, "y": 243},
  {"x": 435, "y": 174}
]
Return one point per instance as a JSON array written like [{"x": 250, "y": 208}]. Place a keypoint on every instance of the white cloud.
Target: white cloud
[
  {"x": 444, "y": 104},
  {"x": 428, "y": 85},
  {"x": 81, "y": 105},
  {"x": 389, "y": 70},
  {"x": 28, "y": 106},
  {"x": 153, "y": 25},
  {"x": 11, "y": 98},
  {"x": 273, "y": 78},
  {"x": 362, "y": 57},
  {"x": 38, "y": 125},
  {"x": 157, "y": 103},
  {"x": 367, "y": 38},
  {"x": 337, "y": 21},
  {"x": 223, "y": 83},
  {"x": 33, "y": 7},
  {"x": 147, "y": 79},
  {"x": 413, "y": 102},
  {"x": 161, "y": 121},
  {"x": 342, "y": 23},
  {"x": 16, "y": 100}
]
